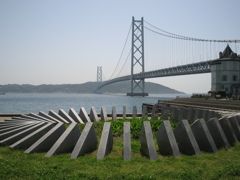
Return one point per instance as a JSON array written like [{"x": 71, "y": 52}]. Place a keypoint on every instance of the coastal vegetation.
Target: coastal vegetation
[{"x": 224, "y": 164}]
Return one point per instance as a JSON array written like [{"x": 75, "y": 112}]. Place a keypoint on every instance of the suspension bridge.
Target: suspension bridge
[{"x": 178, "y": 55}]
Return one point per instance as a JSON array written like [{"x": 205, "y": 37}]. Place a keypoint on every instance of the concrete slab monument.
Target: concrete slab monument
[
  {"x": 154, "y": 115},
  {"x": 134, "y": 112},
  {"x": 124, "y": 115},
  {"x": 203, "y": 136},
  {"x": 65, "y": 115},
  {"x": 146, "y": 140},
  {"x": 43, "y": 114},
  {"x": 87, "y": 142},
  {"x": 106, "y": 142},
  {"x": 60, "y": 118},
  {"x": 83, "y": 115},
  {"x": 12, "y": 139},
  {"x": 185, "y": 139},
  {"x": 144, "y": 112},
  {"x": 228, "y": 130},
  {"x": 28, "y": 140},
  {"x": 93, "y": 114},
  {"x": 73, "y": 114},
  {"x": 166, "y": 140},
  {"x": 47, "y": 141},
  {"x": 114, "y": 113},
  {"x": 126, "y": 141},
  {"x": 235, "y": 126},
  {"x": 103, "y": 114},
  {"x": 217, "y": 133},
  {"x": 66, "y": 141}
]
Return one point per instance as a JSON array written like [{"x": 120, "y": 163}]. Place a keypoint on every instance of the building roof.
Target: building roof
[{"x": 228, "y": 53}]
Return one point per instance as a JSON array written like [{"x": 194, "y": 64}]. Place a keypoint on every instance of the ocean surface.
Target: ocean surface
[{"x": 33, "y": 103}]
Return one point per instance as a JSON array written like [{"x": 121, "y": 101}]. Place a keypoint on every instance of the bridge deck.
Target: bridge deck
[{"x": 194, "y": 68}]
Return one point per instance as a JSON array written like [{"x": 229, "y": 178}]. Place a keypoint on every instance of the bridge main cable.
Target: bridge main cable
[{"x": 176, "y": 36}]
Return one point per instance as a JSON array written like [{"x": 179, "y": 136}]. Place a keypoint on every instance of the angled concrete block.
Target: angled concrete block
[
  {"x": 126, "y": 141},
  {"x": 197, "y": 114},
  {"x": 183, "y": 114},
  {"x": 28, "y": 140},
  {"x": 174, "y": 116},
  {"x": 27, "y": 117},
  {"x": 215, "y": 114},
  {"x": 21, "y": 117},
  {"x": 106, "y": 142},
  {"x": 228, "y": 130},
  {"x": 93, "y": 114},
  {"x": 146, "y": 140},
  {"x": 154, "y": 115},
  {"x": 60, "y": 118},
  {"x": 12, "y": 139},
  {"x": 200, "y": 114},
  {"x": 235, "y": 126},
  {"x": 238, "y": 118},
  {"x": 114, "y": 113},
  {"x": 16, "y": 130},
  {"x": 14, "y": 123},
  {"x": 165, "y": 112},
  {"x": 192, "y": 115},
  {"x": 209, "y": 115},
  {"x": 103, "y": 114},
  {"x": 217, "y": 133},
  {"x": 65, "y": 115},
  {"x": 66, "y": 141},
  {"x": 203, "y": 136},
  {"x": 47, "y": 141},
  {"x": 87, "y": 142},
  {"x": 124, "y": 115},
  {"x": 185, "y": 139},
  {"x": 144, "y": 112},
  {"x": 189, "y": 113},
  {"x": 40, "y": 117},
  {"x": 204, "y": 114},
  {"x": 134, "y": 112},
  {"x": 73, "y": 114},
  {"x": 43, "y": 114},
  {"x": 7, "y": 128},
  {"x": 166, "y": 140},
  {"x": 83, "y": 115}
]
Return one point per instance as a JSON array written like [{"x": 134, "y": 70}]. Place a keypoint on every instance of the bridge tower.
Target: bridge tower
[
  {"x": 137, "y": 60},
  {"x": 99, "y": 74}
]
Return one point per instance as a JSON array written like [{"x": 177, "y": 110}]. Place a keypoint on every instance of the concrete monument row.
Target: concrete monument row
[{"x": 198, "y": 130}]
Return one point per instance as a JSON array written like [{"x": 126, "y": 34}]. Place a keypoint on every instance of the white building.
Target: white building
[{"x": 226, "y": 72}]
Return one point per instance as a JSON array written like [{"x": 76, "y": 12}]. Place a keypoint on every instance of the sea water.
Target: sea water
[{"x": 33, "y": 103}]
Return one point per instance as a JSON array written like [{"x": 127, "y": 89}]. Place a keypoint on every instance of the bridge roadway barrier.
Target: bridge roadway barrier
[{"x": 208, "y": 131}]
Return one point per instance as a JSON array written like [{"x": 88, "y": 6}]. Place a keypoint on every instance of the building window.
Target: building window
[
  {"x": 222, "y": 87},
  {"x": 234, "y": 78},
  {"x": 224, "y": 78}
]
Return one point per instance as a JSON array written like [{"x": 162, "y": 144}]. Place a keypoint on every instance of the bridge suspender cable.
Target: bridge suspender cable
[
  {"x": 121, "y": 53},
  {"x": 176, "y": 36}
]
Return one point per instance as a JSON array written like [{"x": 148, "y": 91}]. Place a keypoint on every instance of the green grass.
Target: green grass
[{"x": 14, "y": 164}]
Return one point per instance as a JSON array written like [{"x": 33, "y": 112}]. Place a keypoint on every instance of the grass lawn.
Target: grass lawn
[{"x": 14, "y": 164}]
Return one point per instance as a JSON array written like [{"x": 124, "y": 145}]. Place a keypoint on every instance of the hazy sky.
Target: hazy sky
[{"x": 63, "y": 41}]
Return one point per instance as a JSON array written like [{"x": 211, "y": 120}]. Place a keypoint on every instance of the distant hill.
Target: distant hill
[{"x": 88, "y": 87}]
